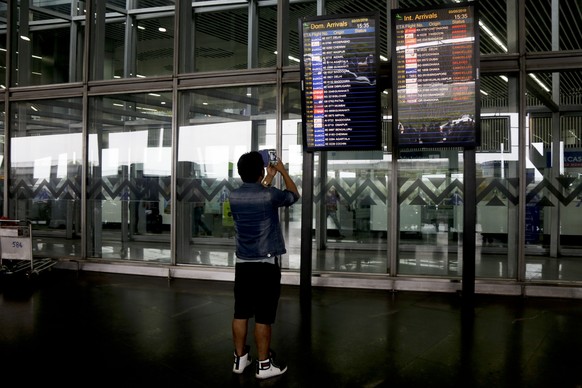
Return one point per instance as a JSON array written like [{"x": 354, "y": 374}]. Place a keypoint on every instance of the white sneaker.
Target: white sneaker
[
  {"x": 267, "y": 368},
  {"x": 240, "y": 363}
]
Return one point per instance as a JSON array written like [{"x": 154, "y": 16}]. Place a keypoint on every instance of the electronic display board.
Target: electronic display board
[
  {"x": 339, "y": 74},
  {"x": 435, "y": 59}
]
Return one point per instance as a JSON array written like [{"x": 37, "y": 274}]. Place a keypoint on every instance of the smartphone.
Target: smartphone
[{"x": 272, "y": 157}]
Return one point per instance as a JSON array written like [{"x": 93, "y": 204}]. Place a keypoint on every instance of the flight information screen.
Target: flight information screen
[
  {"x": 436, "y": 76},
  {"x": 339, "y": 73}
]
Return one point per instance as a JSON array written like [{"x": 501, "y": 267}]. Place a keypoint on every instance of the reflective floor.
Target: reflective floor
[{"x": 85, "y": 328}]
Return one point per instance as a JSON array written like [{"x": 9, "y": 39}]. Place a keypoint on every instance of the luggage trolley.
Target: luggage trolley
[{"x": 16, "y": 250}]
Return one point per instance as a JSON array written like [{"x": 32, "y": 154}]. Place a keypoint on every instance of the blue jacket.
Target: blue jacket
[{"x": 255, "y": 210}]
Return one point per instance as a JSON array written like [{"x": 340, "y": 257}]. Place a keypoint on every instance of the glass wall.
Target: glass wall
[
  {"x": 129, "y": 177},
  {"x": 154, "y": 46},
  {"x": 563, "y": 18},
  {"x": 292, "y": 151},
  {"x": 266, "y": 38},
  {"x": 570, "y": 14},
  {"x": 48, "y": 44},
  {"x": 554, "y": 185},
  {"x": 46, "y": 158},
  {"x": 431, "y": 212},
  {"x": 153, "y": 3},
  {"x": 108, "y": 56},
  {"x": 216, "y": 127},
  {"x": 498, "y": 179},
  {"x": 351, "y": 195},
  {"x": 125, "y": 148},
  {"x": 432, "y": 196},
  {"x": 220, "y": 39},
  {"x": 298, "y": 10},
  {"x": 130, "y": 45},
  {"x": 495, "y": 27},
  {"x": 570, "y": 184},
  {"x": 351, "y": 189}
]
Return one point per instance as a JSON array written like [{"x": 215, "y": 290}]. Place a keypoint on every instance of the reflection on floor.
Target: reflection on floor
[{"x": 73, "y": 327}]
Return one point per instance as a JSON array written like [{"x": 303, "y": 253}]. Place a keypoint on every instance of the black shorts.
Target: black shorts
[{"x": 257, "y": 288}]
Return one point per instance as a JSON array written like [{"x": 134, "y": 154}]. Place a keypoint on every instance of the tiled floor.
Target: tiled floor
[{"x": 97, "y": 329}]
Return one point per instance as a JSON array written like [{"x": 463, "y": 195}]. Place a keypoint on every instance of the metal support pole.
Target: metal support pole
[
  {"x": 469, "y": 218},
  {"x": 306, "y": 227}
]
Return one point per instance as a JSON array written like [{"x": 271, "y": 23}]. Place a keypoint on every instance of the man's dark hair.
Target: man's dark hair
[{"x": 250, "y": 167}]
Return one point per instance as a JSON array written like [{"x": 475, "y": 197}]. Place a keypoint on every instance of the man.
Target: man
[
  {"x": 332, "y": 201},
  {"x": 259, "y": 246}
]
